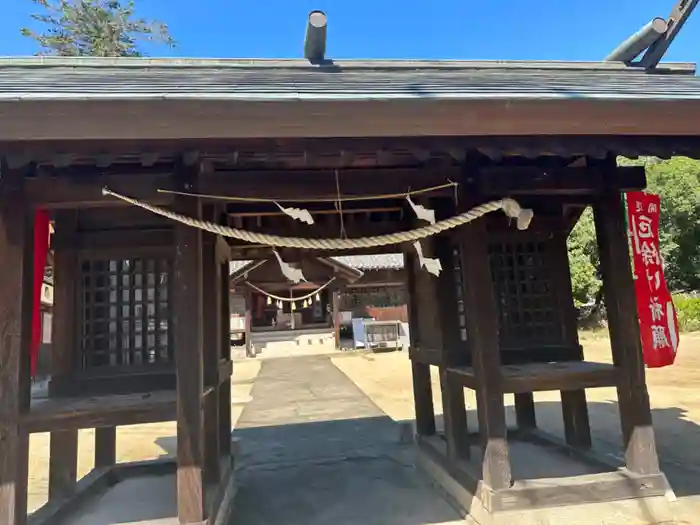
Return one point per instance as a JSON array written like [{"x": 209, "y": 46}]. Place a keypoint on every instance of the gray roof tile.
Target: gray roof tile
[
  {"x": 43, "y": 78},
  {"x": 391, "y": 261},
  {"x": 385, "y": 261}
]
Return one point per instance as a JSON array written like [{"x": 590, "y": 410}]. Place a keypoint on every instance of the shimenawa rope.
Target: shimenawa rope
[
  {"x": 509, "y": 206},
  {"x": 292, "y": 299}
]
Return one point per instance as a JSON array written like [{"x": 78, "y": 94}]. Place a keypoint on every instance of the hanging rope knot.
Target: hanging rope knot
[{"x": 523, "y": 216}]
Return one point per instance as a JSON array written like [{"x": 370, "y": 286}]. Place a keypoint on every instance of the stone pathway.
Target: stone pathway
[{"x": 317, "y": 451}]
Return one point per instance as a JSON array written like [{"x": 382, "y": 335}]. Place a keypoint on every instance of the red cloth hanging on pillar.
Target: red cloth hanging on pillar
[{"x": 41, "y": 248}]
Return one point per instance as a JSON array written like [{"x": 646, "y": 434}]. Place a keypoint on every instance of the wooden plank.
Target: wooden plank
[
  {"x": 105, "y": 446},
  {"x": 579, "y": 490},
  {"x": 542, "y": 377},
  {"x": 211, "y": 275},
  {"x": 83, "y": 185},
  {"x": 345, "y": 152},
  {"x": 54, "y": 120},
  {"x": 422, "y": 386},
  {"x": 114, "y": 382},
  {"x": 16, "y": 245},
  {"x": 530, "y": 494},
  {"x": 518, "y": 180},
  {"x": 482, "y": 338},
  {"x": 121, "y": 239},
  {"x": 100, "y": 411},
  {"x": 71, "y": 187},
  {"x": 623, "y": 325},
  {"x": 63, "y": 463},
  {"x": 187, "y": 304}
]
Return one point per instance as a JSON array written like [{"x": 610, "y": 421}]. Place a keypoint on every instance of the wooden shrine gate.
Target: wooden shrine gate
[{"x": 141, "y": 316}]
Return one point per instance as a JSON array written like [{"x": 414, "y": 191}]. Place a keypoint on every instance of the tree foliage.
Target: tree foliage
[
  {"x": 583, "y": 259},
  {"x": 102, "y": 28},
  {"x": 677, "y": 182}
]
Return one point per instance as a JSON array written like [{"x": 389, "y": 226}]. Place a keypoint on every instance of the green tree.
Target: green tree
[
  {"x": 583, "y": 259},
  {"x": 677, "y": 182},
  {"x": 102, "y": 28}
]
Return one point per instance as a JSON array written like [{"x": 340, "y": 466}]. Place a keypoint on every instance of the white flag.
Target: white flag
[
  {"x": 423, "y": 213},
  {"x": 433, "y": 266},
  {"x": 293, "y": 274},
  {"x": 298, "y": 214}
]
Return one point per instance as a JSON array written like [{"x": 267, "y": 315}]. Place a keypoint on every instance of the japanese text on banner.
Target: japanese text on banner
[{"x": 657, "y": 317}]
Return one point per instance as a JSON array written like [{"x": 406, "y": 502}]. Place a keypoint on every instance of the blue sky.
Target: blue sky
[{"x": 457, "y": 29}]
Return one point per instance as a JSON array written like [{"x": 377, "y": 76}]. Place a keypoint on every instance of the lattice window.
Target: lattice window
[
  {"x": 126, "y": 314},
  {"x": 524, "y": 294}
]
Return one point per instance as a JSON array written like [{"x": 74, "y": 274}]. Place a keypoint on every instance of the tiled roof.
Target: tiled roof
[
  {"x": 84, "y": 78},
  {"x": 390, "y": 261}
]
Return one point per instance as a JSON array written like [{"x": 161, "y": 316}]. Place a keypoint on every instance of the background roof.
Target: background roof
[{"x": 390, "y": 261}]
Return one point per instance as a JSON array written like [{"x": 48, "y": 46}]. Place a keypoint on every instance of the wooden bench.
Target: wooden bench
[
  {"x": 539, "y": 377},
  {"x": 100, "y": 411}
]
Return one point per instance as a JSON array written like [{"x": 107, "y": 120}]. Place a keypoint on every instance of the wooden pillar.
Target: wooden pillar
[
  {"x": 577, "y": 428},
  {"x": 105, "y": 447},
  {"x": 225, "y": 387},
  {"x": 482, "y": 339},
  {"x": 335, "y": 313},
  {"x": 16, "y": 230},
  {"x": 422, "y": 387},
  {"x": 63, "y": 444},
  {"x": 621, "y": 307},
  {"x": 63, "y": 463},
  {"x": 453, "y": 352},
  {"x": 211, "y": 297},
  {"x": 187, "y": 295},
  {"x": 249, "y": 351},
  {"x": 525, "y": 416}
]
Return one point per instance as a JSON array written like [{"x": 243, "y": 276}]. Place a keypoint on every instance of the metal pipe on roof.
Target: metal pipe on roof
[
  {"x": 638, "y": 42},
  {"x": 315, "y": 41},
  {"x": 676, "y": 20}
]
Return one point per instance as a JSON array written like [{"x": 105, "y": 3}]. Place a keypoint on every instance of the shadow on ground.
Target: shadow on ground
[
  {"x": 358, "y": 471},
  {"x": 318, "y": 451}
]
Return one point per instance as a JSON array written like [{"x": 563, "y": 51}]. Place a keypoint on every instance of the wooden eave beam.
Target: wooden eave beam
[
  {"x": 83, "y": 188},
  {"x": 678, "y": 17},
  {"x": 504, "y": 180}
]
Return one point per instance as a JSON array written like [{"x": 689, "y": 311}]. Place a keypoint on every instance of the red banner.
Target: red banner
[
  {"x": 41, "y": 248},
  {"x": 658, "y": 324}
]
